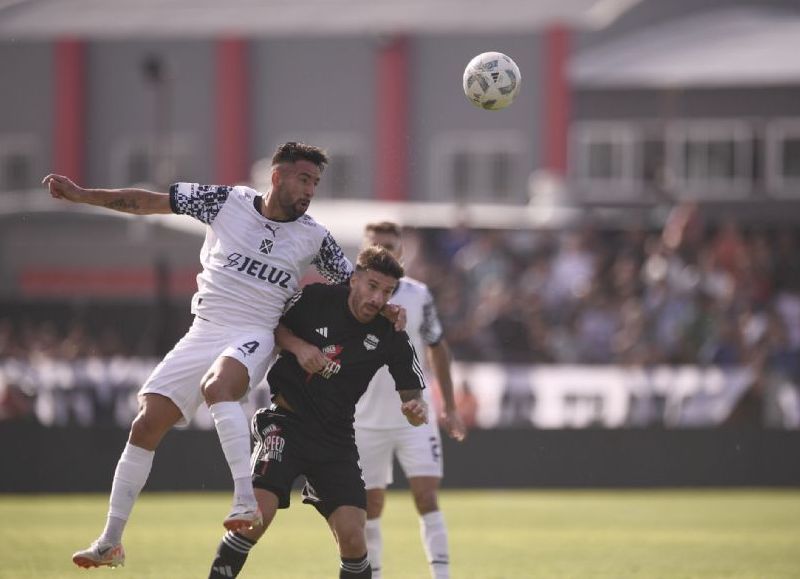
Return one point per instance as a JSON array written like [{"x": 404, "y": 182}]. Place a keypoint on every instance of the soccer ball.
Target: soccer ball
[{"x": 492, "y": 81}]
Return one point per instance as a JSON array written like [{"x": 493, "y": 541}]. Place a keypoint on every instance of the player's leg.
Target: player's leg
[
  {"x": 376, "y": 498},
  {"x": 419, "y": 454},
  {"x": 433, "y": 529},
  {"x": 156, "y": 416},
  {"x": 347, "y": 523},
  {"x": 335, "y": 488},
  {"x": 170, "y": 395},
  {"x": 376, "y": 451},
  {"x": 225, "y": 383},
  {"x": 274, "y": 469},
  {"x": 235, "y": 546}
]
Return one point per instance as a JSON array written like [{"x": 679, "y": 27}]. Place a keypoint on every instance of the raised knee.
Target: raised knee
[
  {"x": 145, "y": 433},
  {"x": 217, "y": 388}
]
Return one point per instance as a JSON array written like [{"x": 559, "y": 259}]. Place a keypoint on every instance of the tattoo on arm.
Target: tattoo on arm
[
  {"x": 122, "y": 204},
  {"x": 406, "y": 395}
]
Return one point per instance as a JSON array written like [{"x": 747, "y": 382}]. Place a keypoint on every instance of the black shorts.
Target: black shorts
[{"x": 284, "y": 449}]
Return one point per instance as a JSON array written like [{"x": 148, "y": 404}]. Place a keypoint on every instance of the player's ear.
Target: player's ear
[{"x": 275, "y": 177}]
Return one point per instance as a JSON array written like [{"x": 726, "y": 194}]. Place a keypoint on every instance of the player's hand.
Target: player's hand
[
  {"x": 61, "y": 187},
  {"x": 397, "y": 315},
  {"x": 311, "y": 358},
  {"x": 415, "y": 411},
  {"x": 453, "y": 425}
]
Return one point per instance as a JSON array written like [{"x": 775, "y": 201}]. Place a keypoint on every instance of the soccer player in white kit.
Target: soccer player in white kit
[
  {"x": 255, "y": 252},
  {"x": 382, "y": 432}
]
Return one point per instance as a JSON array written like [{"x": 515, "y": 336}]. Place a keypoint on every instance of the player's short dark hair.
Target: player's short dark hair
[
  {"x": 383, "y": 227},
  {"x": 379, "y": 259},
  {"x": 291, "y": 152}
]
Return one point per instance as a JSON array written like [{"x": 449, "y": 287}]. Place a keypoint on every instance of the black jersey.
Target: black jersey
[{"x": 319, "y": 314}]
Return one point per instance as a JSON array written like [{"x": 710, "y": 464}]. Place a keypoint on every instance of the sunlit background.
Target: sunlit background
[{"x": 615, "y": 257}]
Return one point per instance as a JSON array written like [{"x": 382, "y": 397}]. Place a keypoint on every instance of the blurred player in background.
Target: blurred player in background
[
  {"x": 255, "y": 251},
  {"x": 381, "y": 433},
  {"x": 333, "y": 343}
]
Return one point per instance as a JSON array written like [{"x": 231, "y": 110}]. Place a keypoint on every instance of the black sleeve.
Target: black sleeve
[{"x": 404, "y": 365}]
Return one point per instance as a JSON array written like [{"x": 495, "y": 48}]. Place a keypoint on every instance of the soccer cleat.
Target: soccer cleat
[
  {"x": 100, "y": 555},
  {"x": 243, "y": 517}
]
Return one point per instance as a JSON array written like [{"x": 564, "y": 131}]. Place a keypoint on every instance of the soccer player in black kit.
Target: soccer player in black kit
[{"x": 333, "y": 341}]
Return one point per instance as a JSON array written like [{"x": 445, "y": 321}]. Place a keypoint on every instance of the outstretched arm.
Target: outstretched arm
[
  {"x": 439, "y": 358},
  {"x": 135, "y": 201},
  {"x": 413, "y": 407}
]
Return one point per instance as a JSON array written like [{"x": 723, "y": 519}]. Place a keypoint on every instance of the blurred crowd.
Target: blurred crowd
[{"x": 689, "y": 293}]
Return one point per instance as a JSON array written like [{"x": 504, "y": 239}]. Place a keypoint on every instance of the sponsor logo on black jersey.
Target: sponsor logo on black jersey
[
  {"x": 333, "y": 366},
  {"x": 259, "y": 270},
  {"x": 371, "y": 342}
]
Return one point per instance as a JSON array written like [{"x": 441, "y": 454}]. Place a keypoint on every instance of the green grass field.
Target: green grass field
[{"x": 493, "y": 534}]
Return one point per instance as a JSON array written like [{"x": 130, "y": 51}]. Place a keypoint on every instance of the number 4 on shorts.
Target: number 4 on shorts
[{"x": 249, "y": 347}]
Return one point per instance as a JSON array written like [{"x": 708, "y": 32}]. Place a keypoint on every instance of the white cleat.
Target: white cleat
[
  {"x": 100, "y": 555},
  {"x": 243, "y": 517}
]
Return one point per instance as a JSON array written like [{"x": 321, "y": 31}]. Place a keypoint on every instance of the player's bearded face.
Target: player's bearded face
[
  {"x": 296, "y": 187},
  {"x": 369, "y": 292}
]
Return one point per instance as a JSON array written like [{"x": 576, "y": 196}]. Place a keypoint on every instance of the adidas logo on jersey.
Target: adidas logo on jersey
[{"x": 322, "y": 332}]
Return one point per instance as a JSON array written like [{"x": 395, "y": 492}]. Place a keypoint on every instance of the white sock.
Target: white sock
[
  {"x": 434, "y": 538},
  {"x": 132, "y": 471},
  {"x": 374, "y": 546},
  {"x": 234, "y": 436}
]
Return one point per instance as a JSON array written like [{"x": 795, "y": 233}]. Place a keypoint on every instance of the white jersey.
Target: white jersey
[
  {"x": 252, "y": 265},
  {"x": 379, "y": 406}
]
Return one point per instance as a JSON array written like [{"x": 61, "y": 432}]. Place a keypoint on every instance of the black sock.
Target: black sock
[
  {"x": 357, "y": 568},
  {"x": 231, "y": 555}
]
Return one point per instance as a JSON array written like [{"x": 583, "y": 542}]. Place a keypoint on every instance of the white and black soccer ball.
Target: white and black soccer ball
[{"x": 492, "y": 81}]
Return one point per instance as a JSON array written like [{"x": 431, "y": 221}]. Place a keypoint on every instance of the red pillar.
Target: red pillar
[
  {"x": 232, "y": 143},
  {"x": 391, "y": 139},
  {"x": 556, "y": 99},
  {"x": 69, "y": 114}
]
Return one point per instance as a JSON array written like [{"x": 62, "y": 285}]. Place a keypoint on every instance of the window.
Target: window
[
  {"x": 711, "y": 159},
  {"x": 783, "y": 157},
  {"x": 146, "y": 161},
  {"x": 480, "y": 167},
  {"x": 604, "y": 160},
  {"x": 19, "y": 163}
]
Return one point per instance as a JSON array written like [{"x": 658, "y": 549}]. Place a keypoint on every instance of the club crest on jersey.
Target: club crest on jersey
[
  {"x": 371, "y": 342},
  {"x": 266, "y": 246}
]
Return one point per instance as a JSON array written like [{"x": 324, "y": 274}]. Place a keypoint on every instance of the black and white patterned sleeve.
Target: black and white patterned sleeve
[
  {"x": 203, "y": 202},
  {"x": 431, "y": 330},
  {"x": 331, "y": 261}
]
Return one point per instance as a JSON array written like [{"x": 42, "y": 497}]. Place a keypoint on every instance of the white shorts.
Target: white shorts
[
  {"x": 418, "y": 450},
  {"x": 179, "y": 374}
]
